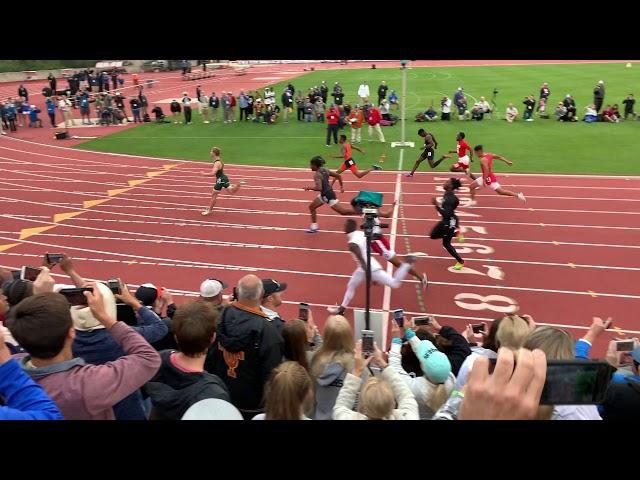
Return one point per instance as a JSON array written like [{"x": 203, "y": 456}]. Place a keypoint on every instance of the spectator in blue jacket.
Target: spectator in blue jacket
[
  {"x": 51, "y": 111},
  {"x": 34, "y": 121},
  {"x": 11, "y": 114},
  {"x": 24, "y": 398},
  {"x": 85, "y": 113}
]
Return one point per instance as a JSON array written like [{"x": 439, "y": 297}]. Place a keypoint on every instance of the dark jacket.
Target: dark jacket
[
  {"x": 598, "y": 92},
  {"x": 459, "y": 349},
  {"x": 382, "y": 91},
  {"x": 247, "y": 348},
  {"x": 621, "y": 402},
  {"x": 173, "y": 391}
]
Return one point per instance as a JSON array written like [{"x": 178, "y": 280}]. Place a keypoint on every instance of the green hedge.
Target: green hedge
[{"x": 22, "y": 65}]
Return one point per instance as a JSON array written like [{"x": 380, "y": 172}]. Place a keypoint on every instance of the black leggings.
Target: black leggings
[{"x": 443, "y": 231}]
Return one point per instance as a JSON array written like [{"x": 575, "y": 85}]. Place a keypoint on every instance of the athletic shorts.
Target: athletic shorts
[
  {"x": 84, "y": 110},
  {"x": 428, "y": 153},
  {"x": 329, "y": 198},
  {"x": 463, "y": 162},
  {"x": 382, "y": 247},
  {"x": 350, "y": 165},
  {"x": 221, "y": 182},
  {"x": 444, "y": 228},
  {"x": 490, "y": 181}
]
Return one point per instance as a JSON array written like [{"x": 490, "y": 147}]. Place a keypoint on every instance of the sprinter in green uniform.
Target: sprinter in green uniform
[{"x": 222, "y": 181}]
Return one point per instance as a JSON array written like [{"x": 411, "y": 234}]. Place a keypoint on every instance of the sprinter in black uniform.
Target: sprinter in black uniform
[
  {"x": 326, "y": 193},
  {"x": 429, "y": 152},
  {"x": 446, "y": 228}
]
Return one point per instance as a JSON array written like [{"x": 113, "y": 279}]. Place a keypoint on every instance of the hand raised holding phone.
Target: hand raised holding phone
[
  {"x": 95, "y": 300},
  {"x": 360, "y": 362}
]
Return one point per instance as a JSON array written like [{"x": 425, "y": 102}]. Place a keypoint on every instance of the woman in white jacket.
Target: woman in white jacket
[
  {"x": 363, "y": 92},
  {"x": 430, "y": 380},
  {"x": 386, "y": 397}
]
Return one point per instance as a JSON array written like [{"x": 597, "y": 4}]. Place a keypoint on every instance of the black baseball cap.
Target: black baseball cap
[{"x": 271, "y": 286}]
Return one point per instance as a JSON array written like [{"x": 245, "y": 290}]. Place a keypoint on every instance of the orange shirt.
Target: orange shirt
[{"x": 346, "y": 151}]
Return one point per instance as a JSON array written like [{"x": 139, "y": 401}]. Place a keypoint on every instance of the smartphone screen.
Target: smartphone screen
[
  {"x": 75, "y": 296},
  {"x": 303, "y": 312},
  {"x": 53, "y": 257},
  {"x": 478, "y": 327},
  {"x": 114, "y": 286},
  {"x": 367, "y": 342},
  {"x": 398, "y": 316},
  {"x": 625, "y": 345},
  {"x": 574, "y": 382},
  {"x": 418, "y": 321},
  {"x": 29, "y": 273}
]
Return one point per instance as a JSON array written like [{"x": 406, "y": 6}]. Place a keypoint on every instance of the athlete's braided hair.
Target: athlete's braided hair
[
  {"x": 318, "y": 161},
  {"x": 456, "y": 183}
]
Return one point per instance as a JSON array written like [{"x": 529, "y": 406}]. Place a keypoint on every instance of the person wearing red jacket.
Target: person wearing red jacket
[
  {"x": 333, "y": 116},
  {"x": 373, "y": 119}
]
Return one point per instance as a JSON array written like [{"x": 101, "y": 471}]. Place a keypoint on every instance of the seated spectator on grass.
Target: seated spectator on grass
[
  {"x": 609, "y": 115},
  {"x": 247, "y": 348},
  {"x": 182, "y": 380},
  {"x": 463, "y": 111},
  {"x": 510, "y": 332},
  {"x": 572, "y": 111},
  {"x": 485, "y": 106},
  {"x": 330, "y": 364},
  {"x": 477, "y": 112},
  {"x": 271, "y": 300},
  {"x": 23, "y": 398},
  {"x": 159, "y": 114},
  {"x": 561, "y": 112},
  {"x": 557, "y": 344},
  {"x": 425, "y": 369},
  {"x": 511, "y": 114},
  {"x": 34, "y": 121},
  {"x": 529, "y": 104},
  {"x": 393, "y": 99},
  {"x": 43, "y": 326},
  {"x": 386, "y": 397},
  {"x": 590, "y": 115},
  {"x": 288, "y": 394}
]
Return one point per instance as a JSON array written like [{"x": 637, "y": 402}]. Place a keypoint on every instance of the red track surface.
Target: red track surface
[{"x": 569, "y": 254}]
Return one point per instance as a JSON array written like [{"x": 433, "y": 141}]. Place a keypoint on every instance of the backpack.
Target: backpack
[{"x": 146, "y": 118}]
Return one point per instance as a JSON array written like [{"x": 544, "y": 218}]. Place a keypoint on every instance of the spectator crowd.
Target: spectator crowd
[{"x": 94, "y": 350}]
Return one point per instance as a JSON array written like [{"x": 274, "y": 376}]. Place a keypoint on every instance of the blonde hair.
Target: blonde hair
[
  {"x": 287, "y": 393},
  {"x": 337, "y": 346},
  {"x": 557, "y": 344},
  {"x": 377, "y": 400},
  {"x": 438, "y": 396},
  {"x": 512, "y": 332}
]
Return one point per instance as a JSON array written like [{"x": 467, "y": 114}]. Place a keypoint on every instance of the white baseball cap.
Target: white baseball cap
[
  {"x": 212, "y": 287},
  {"x": 212, "y": 409}
]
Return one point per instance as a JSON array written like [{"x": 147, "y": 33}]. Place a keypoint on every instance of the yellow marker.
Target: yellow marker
[
  {"x": 593, "y": 294},
  {"x": 382, "y": 158},
  {"x": 154, "y": 174},
  {"x": 169, "y": 167},
  {"x": 29, "y": 232},
  {"x": 8, "y": 246},
  {"x": 59, "y": 217},
  {"x": 93, "y": 203},
  {"x": 619, "y": 330},
  {"x": 117, "y": 191}
]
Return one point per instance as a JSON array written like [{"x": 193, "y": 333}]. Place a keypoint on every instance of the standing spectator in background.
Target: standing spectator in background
[
  {"x": 319, "y": 108},
  {"x": 308, "y": 110},
  {"x": 545, "y": 92},
  {"x": 114, "y": 79},
  {"x": 22, "y": 92},
  {"x": 445, "y": 105},
  {"x": 457, "y": 96},
  {"x": 363, "y": 92},
  {"x": 529, "y": 104},
  {"x": 332, "y": 124},
  {"x": 324, "y": 91},
  {"x": 570, "y": 105},
  {"x": 355, "y": 119},
  {"x": 242, "y": 105},
  {"x": 338, "y": 94},
  {"x": 51, "y": 111},
  {"x": 175, "y": 109},
  {"x": 135, "y": 109},
  {"x": 203, "y": 107},
  {"x": 300, "y": 102},
  {"x": 26, "y": 113},
  {"x": 144, "y": 103},
  {"x": 11, "y": 114},
  {"x": 211, "y": 292},
  {"x": 250, "y": 100},
  {"x": 65, "y": 107},
  {"x": 34, "y": 121},
  {"x": 53, "y": 83},
  {"x": 629, "y": 104},
  {"x": 226, "y": 102},
  {"x": 93, "y": 81},
  {"x": 214, "y": 103},
  {"x": 272, "y": 299},
  {"x": 2, "y": 132},
  {"x": 291, "y": 88},
  {"x": 598, "y": 95},
  {"x": 119, "y": 101},
  {"x": 511, "y": 113},
  {"x": 232, "y": 107},
  {"x": 85, "y": 114},
  {"x": 373, "y": 119},
  {"x": 198, "y": 91},
  {"x": 186, "y": 108},
  {"x": 18, "y": 111},
  {"x": 382, "y": 92},
  {"x": 287, "y": 104},
  {"x": 247, "y": 348}
]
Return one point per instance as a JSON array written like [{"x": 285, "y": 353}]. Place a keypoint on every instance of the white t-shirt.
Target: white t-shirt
[
  {"x": 186, "y": 101},
  {"x": 446, "y": 106},
  {"x": 357, "y": 237}
]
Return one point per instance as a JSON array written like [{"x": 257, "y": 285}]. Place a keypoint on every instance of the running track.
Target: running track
[{"x": 571, "y": 253}]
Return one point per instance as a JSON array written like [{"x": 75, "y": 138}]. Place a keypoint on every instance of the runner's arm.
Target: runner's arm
[
  {"x": 317, "y": 178},
  {"x": 338, "y": 177},
  {"x": 498, "y": 157},
  {"x": 430, "y": 142},
  {"x": 353, "y": 248},
  {"x": 214, "y": 170},
  {"x": 358, "y": 149}
]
